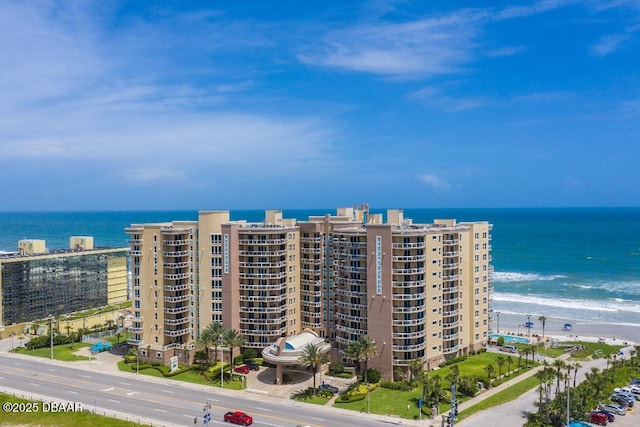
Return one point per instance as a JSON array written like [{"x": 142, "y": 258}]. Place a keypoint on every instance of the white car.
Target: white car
[
  {"x": 629, "y": 391},
  {"x": 613, "y": 408}
]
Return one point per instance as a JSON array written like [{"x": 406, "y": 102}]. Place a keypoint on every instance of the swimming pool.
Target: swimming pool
[{"x": 511, "y": 339}]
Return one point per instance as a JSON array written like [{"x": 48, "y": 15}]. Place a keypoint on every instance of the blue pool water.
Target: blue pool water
[
  {"x": 578, "y": 424},
  {"x": 511, "y": 339}
]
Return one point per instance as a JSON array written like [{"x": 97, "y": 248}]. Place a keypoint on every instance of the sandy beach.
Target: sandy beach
[{"x": 614, "y": 334}]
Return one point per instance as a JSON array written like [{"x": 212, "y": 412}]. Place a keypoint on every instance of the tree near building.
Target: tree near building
[
  {"x": 232, "y": 339},
  {"x": 361, "y": 350},
  {"x": 543, "y": 322},
  {"x": 313, "y": 358}
]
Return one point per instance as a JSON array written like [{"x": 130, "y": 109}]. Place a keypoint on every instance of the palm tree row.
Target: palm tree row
[{"x": 214, "y": 335}]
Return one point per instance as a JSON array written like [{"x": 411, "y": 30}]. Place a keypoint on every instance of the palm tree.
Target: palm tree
[
  {"x": 525, "y": 352},
  {"x": 541, "y": 377},
  {"x": 559, "y": 365},
  {"x": 232, "y": 339},
  {"x": 543, "y": 321},
  {"x": 532, "y": 349},
  {"x": 212, "y": 335},
  {"x": 500, "y": 361},
  {"x": 414, "y": 368},
  {"x": 205, "y": 340},
  {"x": 361, "y": 350},
  {"x": 313, "y": 358},
  {"x": 576, "y": 366},
  {"x": 509, "y": 362},
  {"x": 490, "y": 371}
]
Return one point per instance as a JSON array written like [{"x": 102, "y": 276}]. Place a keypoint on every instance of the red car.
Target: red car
[
  {"x": 244, "y": 369},
  {"x": 237, "y": 417},
  {"x": 599, "y": 418}
]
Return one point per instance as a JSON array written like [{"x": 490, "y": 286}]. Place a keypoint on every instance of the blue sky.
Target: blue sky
[{"x": 289, "y": 104}]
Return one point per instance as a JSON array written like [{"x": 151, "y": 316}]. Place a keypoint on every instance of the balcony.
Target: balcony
[
  {"x": 415, "y": 309},
  {"x": 415, "y": 347},
  {"x": 405, "y": 335},
  {"x": 183, "y": 264},
  {"x": 450, "y": 241},
  {"x": 310, "y": 293},
  {"x": 317, "y": 239},
  {"x": 272, "y": 332},
  {"x": 450, "y": 277},
  {"x": 450, "y": 289},
  {"x": 350, "y": 306},
  {"x": 134, "y": 253},
  {"x": 176, "y": 310},
  {"x": 402, "y": 271},
  {"x": 415, "y": 245},
  {"x": 176, "y": 332},
  {"x": 180, "y": 298},
  {"x": 176, "y": 276},
  {"x": 274, "y": 264},
  {"x": 311, "y": 250},
  {"x": 451, "y": 349},
  {"x": 262, "y": 275},
  {"x": 277, "y": 309},
  {"x": 450, "y": 254},
  {"x": 350, "y": 331},
  {"x": 175, "y": 242},
  {"x": 177, "y": 288},
  {"x": 277, "y": 320},
  {"x": 179, "y": 321},
  {"x": 450, "y": 337},
  {"x": 450, "y": 325},
  {"x": 350, "y": 318},
  {"x": 262, "y": 253},
  {"x": 412, "y": 322},
  {"x": 410, "y": 284},
  {"x": 449, "y": 313},
  {"x": 273, "y": 287},
  {"x": 450, "y": 301},
  {"x": 410, "y": 258},
  {"x": 255, "y": 298},
  {"x": 312, "y": 272},
  {"x": 258, "y": 242},
  {"x": 170, "y": 254},
  {"x": 408, "y": 297},
  {"x": 135, "y": 330}
]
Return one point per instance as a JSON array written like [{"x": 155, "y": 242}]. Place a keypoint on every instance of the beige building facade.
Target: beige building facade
[{"x": 421, "y": 291}]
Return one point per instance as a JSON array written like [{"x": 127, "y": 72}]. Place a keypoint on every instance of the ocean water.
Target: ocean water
[{"x": 579, "y": 263}]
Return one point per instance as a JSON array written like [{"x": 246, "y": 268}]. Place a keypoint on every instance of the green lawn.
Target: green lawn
[
  {"x": 188, "y": 376},
  {"x": 474, "y": 365},
  {"x": 595, "y": 350},
  {"x": 59, "y": 419},
  {"x": 60, "y": 352},
  {"x": 506, "y": 395}
]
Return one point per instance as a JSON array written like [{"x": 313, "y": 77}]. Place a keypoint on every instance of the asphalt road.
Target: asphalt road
[{"x": 163, "y": 402}]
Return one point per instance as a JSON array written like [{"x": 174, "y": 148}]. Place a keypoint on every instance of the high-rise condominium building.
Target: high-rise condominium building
[
  {"x": 36, "y": 283},
  {"x": 421, "y": 291}
]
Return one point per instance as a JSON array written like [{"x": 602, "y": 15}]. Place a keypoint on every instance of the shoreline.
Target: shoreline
[{"x": 513, "y": 324}]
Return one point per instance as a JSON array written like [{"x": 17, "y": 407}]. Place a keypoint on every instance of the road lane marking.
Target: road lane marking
[
  {"x": 108, "y": 389},
  {"x": 72, "y": 392},
  {"x": 114, "y": 401},
  {"x": 159, "y": 410},
  {"x": 125, "y": 383},
  {"x": 132, "y": 393}
]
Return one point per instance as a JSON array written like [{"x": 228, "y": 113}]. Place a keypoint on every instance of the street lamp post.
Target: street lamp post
[
  {"x": 221, "y": 364},
  {"x": 51, "y": 334},
  {"x": 498, "y": 315},
  {"x": 12, "y": 335},
  {"x": 529, "y": 325}
]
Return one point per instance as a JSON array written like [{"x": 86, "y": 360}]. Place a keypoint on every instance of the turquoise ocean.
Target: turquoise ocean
[{"x": 575, "y": 263}]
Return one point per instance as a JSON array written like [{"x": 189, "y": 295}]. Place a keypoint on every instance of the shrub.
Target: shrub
[
  {"x": 500, "y": 340},
  {"x": 238, "y": 360},
  {"x": 341, "y": 375},
  {"x": 286, "y": 378},
  {"x": 249, "y": 354},
  {"x": 373, "y": 375},
  {"x": 399, "y": 385},
  {"x": 336, "y": 367}
]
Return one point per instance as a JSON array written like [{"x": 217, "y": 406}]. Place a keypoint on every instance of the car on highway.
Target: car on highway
[
  {"x": 244, "y": 369},
  {"x": 238, "y": 417},
  {"x": 613, "y": 408}
]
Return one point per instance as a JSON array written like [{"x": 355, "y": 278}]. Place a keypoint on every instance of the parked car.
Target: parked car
[
  {"x": 633, "y": 391},
  {"x": 509, "y": 349},
  {"x": 623, "y": 400},
  {"x": 238, "y": 417},
  {"x": 635, "y": 381},
  {"x": 241, "y": 369},
  {"x": 613, "y": 408},
  {"x": 253, "y": 366},
  {"x": 609, "y": 415},
  {"x": 329, "y": 387},
  {"x": 599, "y": 418}
]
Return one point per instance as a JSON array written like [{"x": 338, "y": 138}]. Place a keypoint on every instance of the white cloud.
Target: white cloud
[
  {"x": 435, "y": 98},
  {"x": 608, "y": 44},
  {"x": 505, "y": 51},
  {"x": 434, "y": 181},
  {"x": 425, "y": 47}
]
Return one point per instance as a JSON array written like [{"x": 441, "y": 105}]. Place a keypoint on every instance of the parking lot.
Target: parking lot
[{"x": 632, "y": 419}]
